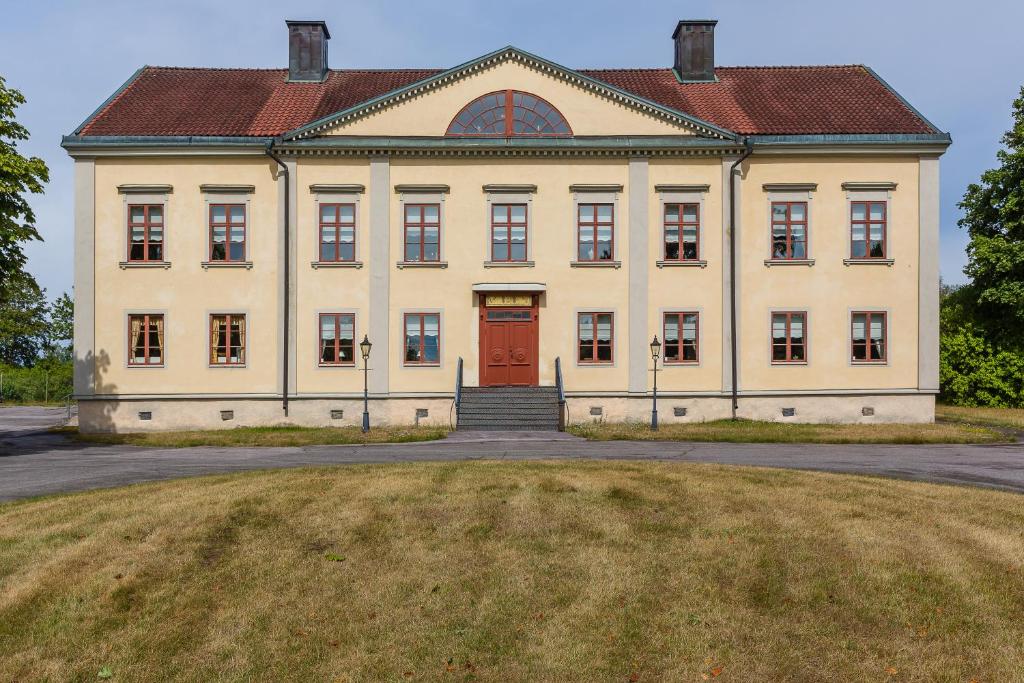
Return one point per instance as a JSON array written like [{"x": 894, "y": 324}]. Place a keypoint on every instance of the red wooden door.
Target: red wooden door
[{"x": 508, "y": 347}]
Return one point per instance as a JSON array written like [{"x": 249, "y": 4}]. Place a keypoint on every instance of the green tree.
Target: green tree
[
  {"x": 994, "y": 219},
  {"x": 62, "y": 328},
  {"x": 23, "y": 319},
  {"x": 18, "y": 176}
]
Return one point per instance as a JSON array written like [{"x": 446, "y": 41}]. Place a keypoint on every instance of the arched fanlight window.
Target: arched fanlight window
[{"x": 508, "y": 113}]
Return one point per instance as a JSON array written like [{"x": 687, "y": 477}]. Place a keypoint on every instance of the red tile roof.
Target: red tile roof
[{"x": 167, "y": 101}]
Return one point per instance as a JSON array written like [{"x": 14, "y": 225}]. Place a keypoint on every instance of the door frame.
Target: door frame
[{"x": 534, "y": 309}]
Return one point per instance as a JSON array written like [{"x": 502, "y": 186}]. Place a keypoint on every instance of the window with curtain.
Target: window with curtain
[
  {"x": 422, "y": 232},
  {"x": 681, "y": 345},
  {"x": 596, "y": 232},
  {"x": 227, "y": 232},
  {"x": 508, "y": 232},
  {"x": 337, "y": 338},
  {"x": 789, "y": 230},
  {"x": 596, "y": 340},
  {"x": 337, "y": 232},
  {"x": 227, "y": 339},
  {"x": 145, "y": 232},
  {"x": 146, "y": 339},
  {"x": 867, "y": 337},
  {"x": 868, "y": 229},
  {"x": 422, "y": 339},
  {"x": 682, "y": 232},
  {"x": 789, "y": 337}
]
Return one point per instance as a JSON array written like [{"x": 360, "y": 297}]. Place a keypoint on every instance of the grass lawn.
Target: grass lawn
[
  {"x": 749, "y": 431},
  {"x": 265, "y": 436},
  {"x": 485, "y": 571},
  {"x": 997, "y": 417}
]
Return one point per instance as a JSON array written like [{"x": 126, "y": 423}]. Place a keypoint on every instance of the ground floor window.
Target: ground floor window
[
  {"x": 422, "y": 339},
  {"x": 681, "y": 345},
  {"x": 227, "y": 339},
  {"x": 867, "y": 337},
  {"x": 146, "y": 339},
  {"x": 596, "y": 337},
  {"x": 337, "y": 338},
  {"x": 789, "y": 337}
]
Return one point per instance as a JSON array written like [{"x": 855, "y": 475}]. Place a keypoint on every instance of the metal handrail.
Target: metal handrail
[
  {"x": 561, "y": 394},
  {"x": 458, "y": 388}
]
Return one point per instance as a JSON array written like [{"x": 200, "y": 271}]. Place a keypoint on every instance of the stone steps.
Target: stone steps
[{"x": 509, "y": 409}]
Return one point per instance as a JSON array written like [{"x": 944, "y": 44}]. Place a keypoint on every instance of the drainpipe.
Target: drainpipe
[
  {"x": 732, "y": 267},
  {"x": 287, "y": 276}
]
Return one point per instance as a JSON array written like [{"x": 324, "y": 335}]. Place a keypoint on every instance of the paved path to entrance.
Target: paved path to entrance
[{"x": 34, "y": 462}]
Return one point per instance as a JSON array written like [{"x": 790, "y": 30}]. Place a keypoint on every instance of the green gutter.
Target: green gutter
[
  {"x": 597, "y": 143},
  {"x": 854, "y": 139},
  {"x": 69, "y": 141}
]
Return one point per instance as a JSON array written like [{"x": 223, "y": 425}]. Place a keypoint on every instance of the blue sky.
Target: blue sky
[{"x": 959, "y": 63}]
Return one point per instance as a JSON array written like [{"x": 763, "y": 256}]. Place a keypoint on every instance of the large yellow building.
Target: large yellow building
[{"x": 240, "y": 231}]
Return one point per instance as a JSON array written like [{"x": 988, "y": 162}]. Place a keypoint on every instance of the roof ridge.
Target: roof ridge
[
  {"x": 763, "y": 66},
  {"x": 150, "y": 67}
]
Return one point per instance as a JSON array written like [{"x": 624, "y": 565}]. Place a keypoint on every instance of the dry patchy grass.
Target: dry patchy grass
[
  {"x": 998, "y": 417},
  {"x": 749, "y": 431},
  {"x": 266, "y": 436},
  {"x": 516, "y": 572}
]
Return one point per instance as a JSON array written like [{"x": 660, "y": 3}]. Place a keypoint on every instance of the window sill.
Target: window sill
[
  {"x": 144, "y": 264},
  {"x": 422, "y": 264},
  {"x": 141, "y": 366},
  {"x": 869, "y": 363},
  {"x": 508, "y": 264},
  {"x": 681, "y": 364},
  {"x": 335, "y": 365},
  {"x": 868, "y": 261},
  {"x": 336, "y": 264},
  {"x": 682, "y": 263},
  {"x": 226, "y": 264},
  {"x": 227, "y": 366},
  {"x": 595, "y": 264},
  {"x": 421, "y": 365},
  {"x": 595, "y": 364},
  {"x": 784, "y": 363},
  {"x": 789, "y": 262}
]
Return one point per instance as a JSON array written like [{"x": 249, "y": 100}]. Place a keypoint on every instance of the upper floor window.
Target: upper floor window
[
  {"x": 422, "y": 232},
  {"x": 227, "y": 232},
  {"x": 868, "y": 229},
  {"x": 337, "y": 338},
  {"x": 146, "y": 339},
  {"x": 596, "y": 337},
  {"x": 227, "y": 339},
  {"x": 681, "y": 345},
  {"x": 789, "y": 337},
  {"x": 337, "y": 232},
  {"x": 595, "y": 232},
  {"x": 789, "y": 230},
  {"x": 508, "y": 113},
  {"x": 867, "y": 337},
  {"x": 508, "y": 232},
  {"x": 145, "y": 232},
  {"x": 422, "y": 339},
  {"x": 682, "y": 232}
]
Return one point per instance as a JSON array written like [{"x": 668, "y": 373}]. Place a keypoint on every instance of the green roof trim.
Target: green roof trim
[
  {"x": 840, "y": 140},
  {"x": 508, "y": 52}
]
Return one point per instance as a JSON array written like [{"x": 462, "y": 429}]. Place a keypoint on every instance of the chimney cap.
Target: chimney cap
[
  {"x": 693, "y": 22},
  {"x": 312, "y": 22}
]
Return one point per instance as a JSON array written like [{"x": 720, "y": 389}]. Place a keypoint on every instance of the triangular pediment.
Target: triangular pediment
[{"x": 591, "y": 108}]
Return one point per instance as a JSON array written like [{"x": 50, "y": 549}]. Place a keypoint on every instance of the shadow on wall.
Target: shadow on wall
[{"x": 94, "y": 415}]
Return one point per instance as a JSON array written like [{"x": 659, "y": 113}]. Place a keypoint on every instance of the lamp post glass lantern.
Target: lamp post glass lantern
[
  {"x": 655, "y": 353},
  {"x": 364, "y": 348}
]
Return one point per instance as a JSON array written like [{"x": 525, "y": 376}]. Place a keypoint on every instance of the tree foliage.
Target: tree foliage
[
  {"x": 24, "y": 324},
  {"x": 994, "y": 218},
  {"x": 19, "y": 176}
]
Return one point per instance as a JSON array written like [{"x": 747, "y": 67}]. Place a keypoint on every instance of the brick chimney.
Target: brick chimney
[
  {"x": 307, "y": 50},
  {"x": 695, "y": 49}
]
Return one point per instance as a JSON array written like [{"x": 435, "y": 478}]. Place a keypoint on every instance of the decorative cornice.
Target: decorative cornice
[
  {"x": 513, "y": 54},
  {"x": 682, "y": 188},
  {"x": 595, "y": 188},
  {"x": 422, "y": 189},
  {"x": 510, "y": 189},
  {"x": 790, "y": 187},
  {"x": 869, "y": 186},
  {"x": 145, "y": 189},
  {"x": 337, "y": 189},
  {"x": 227, "y": 189}
]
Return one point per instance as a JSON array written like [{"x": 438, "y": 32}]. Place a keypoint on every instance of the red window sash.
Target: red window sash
[
  {"x": 679, "y": 225},
  {"x": 509, "y": 123},
  {"x": 593, "y": 342},
  {"x": 227, "y": 225},
  {"x": 508, "y": 224},
  {"x": 422, "y": 224},
  {"x": 146, "y": 225},
  {"x": 242, "y": 334},
  {"x": 679, "y": 336},
  {"x": 789, "y": 222},
  {"x": 867, "y": 227},
  {"x": 789, "y": 336},
  {"x": 337, "y": 224},
  {"x": 147, "y": 320},
  {"x": 594, "y": 223},
  {"x": 422, "y": 350},
  {"x": 868, "y": 339}
]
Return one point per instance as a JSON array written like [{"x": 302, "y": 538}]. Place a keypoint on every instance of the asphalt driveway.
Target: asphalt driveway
[{"x": 35, "y": 462}]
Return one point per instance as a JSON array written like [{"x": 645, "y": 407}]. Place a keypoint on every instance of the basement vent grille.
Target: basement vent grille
[
  {"x": 337, "y": 414},
  {"x": 867, "y": 411},
  {"x": 788, "y": 412},
  {"x": 227, "y": 415},
  {"x": 679, "y": 411},
  {"x": 596, "y": 411},
  {"x": 145, "y": 415}
]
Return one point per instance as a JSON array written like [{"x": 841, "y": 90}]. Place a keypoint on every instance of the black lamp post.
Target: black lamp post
[
  {"x": 364, "y": 348},
  {"x": 655, "y": 352}
]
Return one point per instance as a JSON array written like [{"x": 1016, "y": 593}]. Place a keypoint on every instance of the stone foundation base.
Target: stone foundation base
[
  {"x": 915, "y": 408},
  {"x": 150, "y": 415}
]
